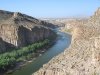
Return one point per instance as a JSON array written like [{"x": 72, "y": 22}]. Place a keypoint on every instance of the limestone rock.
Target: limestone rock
[
  {"x": 83, "y": 55},
  {"x": 19, "y": 30}
]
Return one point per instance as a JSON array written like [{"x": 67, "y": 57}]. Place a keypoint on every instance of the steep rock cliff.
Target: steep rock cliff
[
  {"x": 83, "y": 56},
  {"x": 2, "y": 45},
  {"x": 19, "y": 30}
]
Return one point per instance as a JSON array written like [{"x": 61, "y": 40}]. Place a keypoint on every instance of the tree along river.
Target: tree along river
[{"x": 63, "y": 42}]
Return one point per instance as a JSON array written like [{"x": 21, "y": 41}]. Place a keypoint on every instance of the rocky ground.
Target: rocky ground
[{"x": 83, "y": 55}]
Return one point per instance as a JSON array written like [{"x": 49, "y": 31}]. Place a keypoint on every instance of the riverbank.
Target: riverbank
[
  {"x": 39, "y": 49},
  {"x": 20, "y": 65},
  {"x": 83, "y": 55},
  {"x": 63, "y": 41}
]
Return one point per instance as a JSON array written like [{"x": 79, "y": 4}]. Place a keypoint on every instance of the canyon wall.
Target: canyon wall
[
  {"x": 2, "y": 45},
  {"x": 18, "y": 30},
  {"x": 83, "y": 55}
]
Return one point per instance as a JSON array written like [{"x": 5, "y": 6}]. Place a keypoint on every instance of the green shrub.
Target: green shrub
[{"x": 11, "y": 58}]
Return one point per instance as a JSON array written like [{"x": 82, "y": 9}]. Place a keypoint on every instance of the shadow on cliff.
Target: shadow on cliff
[
  {"x": 27, "y": 36},
  {"x": 9, "y": 46}
]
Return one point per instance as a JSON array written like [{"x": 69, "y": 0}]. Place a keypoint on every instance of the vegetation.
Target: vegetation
[{"x": 9, "y": 59}]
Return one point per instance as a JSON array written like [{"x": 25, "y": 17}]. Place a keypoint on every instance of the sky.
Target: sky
[{"x": 51, "y": 8}]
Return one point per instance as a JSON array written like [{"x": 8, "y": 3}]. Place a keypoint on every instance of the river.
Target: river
[{"x": 62, "y": 43}]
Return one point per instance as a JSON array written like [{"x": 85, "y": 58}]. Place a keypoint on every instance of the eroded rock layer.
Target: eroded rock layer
[
  {"x": 83, "y": 55},
  {"x": 19, "y": 30}
]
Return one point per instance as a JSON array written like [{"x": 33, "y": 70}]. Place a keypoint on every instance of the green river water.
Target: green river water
[{"x": 61, "y": 44}]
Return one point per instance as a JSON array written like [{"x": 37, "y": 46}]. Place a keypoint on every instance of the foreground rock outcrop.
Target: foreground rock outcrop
[
  {"x": 18, "y": 30},
  {"x": 83, "y": 55}
]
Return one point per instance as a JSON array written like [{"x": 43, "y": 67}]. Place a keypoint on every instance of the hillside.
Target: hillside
[
  {"x": 83, "y": 55},
  {"x": 18, "y": 30}
]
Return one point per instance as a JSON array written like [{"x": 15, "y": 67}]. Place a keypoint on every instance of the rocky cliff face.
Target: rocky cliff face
[
  {"x": 95, "y": 19},
  {"x": 2, "y": 45},
  {"x": 19, "y": 30},
  {"x": 83, "y": 56}
]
